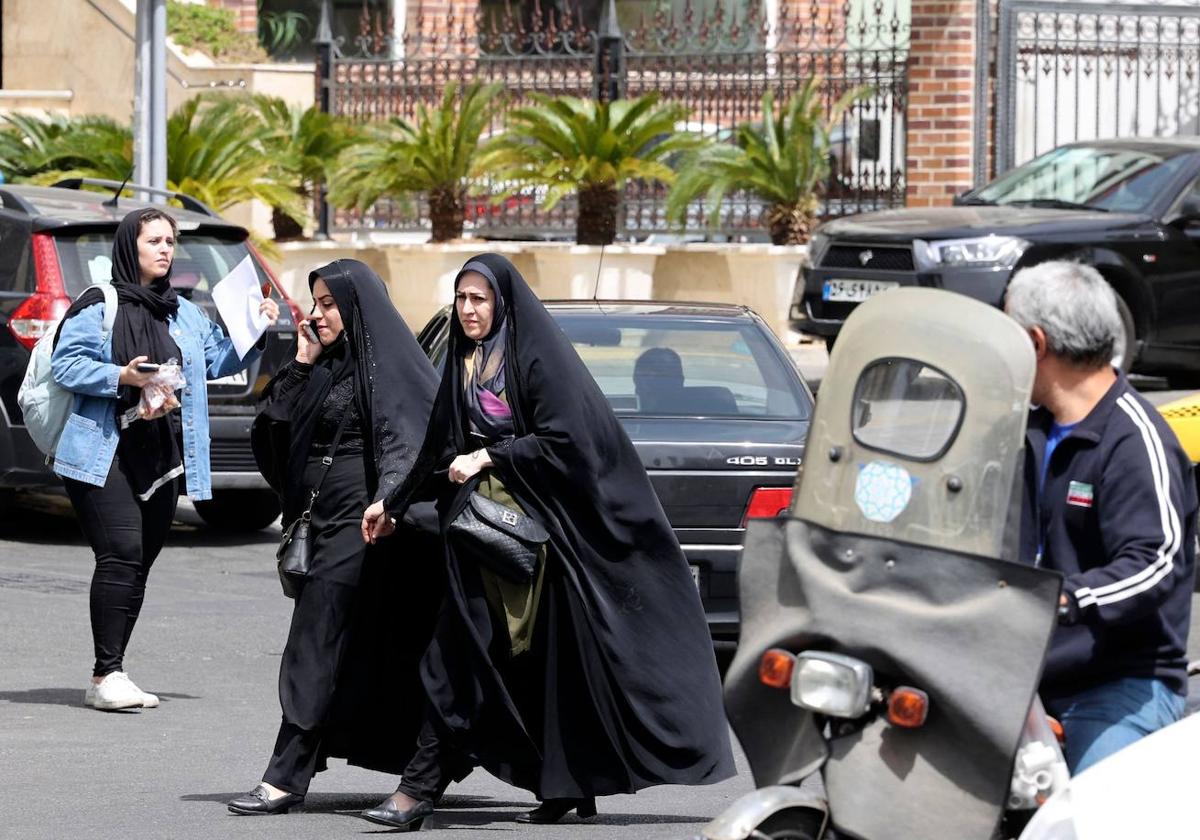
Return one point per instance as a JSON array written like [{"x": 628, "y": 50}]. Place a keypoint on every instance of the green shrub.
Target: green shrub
[{"x": 212, "y": 31}]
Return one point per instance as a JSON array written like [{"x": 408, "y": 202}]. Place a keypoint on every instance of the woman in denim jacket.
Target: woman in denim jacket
[{"x": 120, "y": 463}]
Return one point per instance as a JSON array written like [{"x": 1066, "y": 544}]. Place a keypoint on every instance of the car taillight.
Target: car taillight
[
  {"x": 37, "y": 316},
  {"x": 767, "y": 502},
  {"x": 39, "y": 313}
]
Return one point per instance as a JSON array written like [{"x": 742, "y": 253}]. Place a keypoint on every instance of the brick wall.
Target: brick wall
[
  {"x": 246, "y": 11},
  {"x": 940, "y": 102}
]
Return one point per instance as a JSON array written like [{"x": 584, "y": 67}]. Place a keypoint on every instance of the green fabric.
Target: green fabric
[{"x": 516, "y": 603}]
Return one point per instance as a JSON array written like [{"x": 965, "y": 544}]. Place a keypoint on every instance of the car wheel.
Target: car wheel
[
  {"x": 239, "y": 510},
  {"x": 1124, "y": 352}
]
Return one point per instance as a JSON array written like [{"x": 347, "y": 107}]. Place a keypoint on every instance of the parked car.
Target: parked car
[
  {"x": 1131, "y": 208},
  {"x": 720, "y": 451},
  {"x": 54, "y": 242}
]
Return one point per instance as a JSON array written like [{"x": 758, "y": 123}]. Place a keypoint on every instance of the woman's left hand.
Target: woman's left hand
[
  {"x": 465, "y": 467},
  {"x": 269, "y": 308},
  {"x": 376, "y": 523}
]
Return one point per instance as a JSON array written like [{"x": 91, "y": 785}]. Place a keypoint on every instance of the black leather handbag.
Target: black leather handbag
[
  {"x": 293, "y": 558},
  {"x": 496, "y": 536}
]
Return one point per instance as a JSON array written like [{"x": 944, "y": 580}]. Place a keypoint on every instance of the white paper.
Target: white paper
[{"x": 238, "y": 297}]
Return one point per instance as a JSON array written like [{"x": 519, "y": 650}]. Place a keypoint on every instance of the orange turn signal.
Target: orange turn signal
[
  {"x": 908, "y": 707},
  {"x": 1057, "y": 729},
  {"x": 775, "y": 668}
]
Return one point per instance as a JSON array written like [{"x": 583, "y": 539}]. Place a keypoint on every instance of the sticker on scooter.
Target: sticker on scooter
[{"x": 882, "y": 490}]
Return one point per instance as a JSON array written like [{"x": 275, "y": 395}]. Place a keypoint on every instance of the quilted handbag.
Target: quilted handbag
[{"x": 496, "y": 536}]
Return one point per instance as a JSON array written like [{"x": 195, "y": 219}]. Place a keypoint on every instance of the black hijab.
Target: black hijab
[
  {"x": 394, "y": 385},
  {"x": 149, "y": 450},
  {"x": 485, "y": 380}
]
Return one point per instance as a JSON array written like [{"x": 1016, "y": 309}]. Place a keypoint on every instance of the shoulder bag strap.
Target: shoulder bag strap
[{"x": 327, "y": 461}]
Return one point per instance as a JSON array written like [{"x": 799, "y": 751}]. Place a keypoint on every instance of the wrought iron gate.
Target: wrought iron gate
[
  {"x": 1080, "y": 71},
  {"x": 717, "y": 58}
]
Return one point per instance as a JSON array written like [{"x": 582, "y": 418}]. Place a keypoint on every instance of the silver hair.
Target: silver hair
[{"x": 1075, "y": 307}]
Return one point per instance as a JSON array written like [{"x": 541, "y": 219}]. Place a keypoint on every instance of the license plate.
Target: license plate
[
  {"x": 854, "y": 291},
  {"x": 695, "y": 575},
  {"x": 238, "y": 378}
]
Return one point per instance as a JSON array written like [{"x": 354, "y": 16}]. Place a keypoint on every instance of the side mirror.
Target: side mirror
[{"x": 1187, "y": 215}]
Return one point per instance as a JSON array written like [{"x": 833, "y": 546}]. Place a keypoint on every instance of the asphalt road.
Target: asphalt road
[{"x": 209, "y": 643}]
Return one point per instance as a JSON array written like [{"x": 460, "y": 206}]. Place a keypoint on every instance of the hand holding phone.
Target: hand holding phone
[
  {"x": 308, "y": 347},
  {"x": 147, "y": 367}
]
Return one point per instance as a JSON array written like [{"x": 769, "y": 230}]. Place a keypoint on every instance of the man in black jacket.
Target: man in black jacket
[{"x": 1111, "y": 504}]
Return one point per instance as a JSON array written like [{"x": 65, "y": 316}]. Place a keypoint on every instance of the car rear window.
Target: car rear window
[
  {"x": 201, "y": 261},
  {"x": 669, "y": 366}
]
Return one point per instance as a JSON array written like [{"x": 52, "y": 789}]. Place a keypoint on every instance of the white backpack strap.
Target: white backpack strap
[{"x": 110, "y": 307}]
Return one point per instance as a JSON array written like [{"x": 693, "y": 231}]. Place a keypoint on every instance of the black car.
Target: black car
[
  {"x": 1131, "y": 208},
  {"x": 722, "y": 450},
  {"x": 54, "y": 242}
]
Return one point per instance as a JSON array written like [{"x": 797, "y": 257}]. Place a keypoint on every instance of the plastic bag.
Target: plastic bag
[{"x": 161, "y": 388}]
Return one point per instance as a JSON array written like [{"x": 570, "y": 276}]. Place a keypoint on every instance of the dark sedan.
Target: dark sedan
[
  {"x": 1131, "y": 208},
  {"x": 721, "y": 442}
]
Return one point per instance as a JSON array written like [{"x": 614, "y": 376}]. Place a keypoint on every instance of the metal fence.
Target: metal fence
[
  {"x": 1079, "y": 71},
  {"x": 717, "y": 59}
]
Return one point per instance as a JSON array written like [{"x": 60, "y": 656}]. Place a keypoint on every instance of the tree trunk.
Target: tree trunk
[
  {"x": 286, "y": 228},
  {"x": 446, "y": 213},
  {"x": 596, "y": 222},
  {"x": 790, "y": 224}
]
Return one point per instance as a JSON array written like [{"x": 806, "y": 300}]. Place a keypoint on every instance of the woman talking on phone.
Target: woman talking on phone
[
  {"x": 340, "y": 427},
  {"x": 121, "y": 463}
]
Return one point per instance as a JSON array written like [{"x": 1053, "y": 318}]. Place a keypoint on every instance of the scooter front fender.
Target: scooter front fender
[{"x": 751, "y": 810}]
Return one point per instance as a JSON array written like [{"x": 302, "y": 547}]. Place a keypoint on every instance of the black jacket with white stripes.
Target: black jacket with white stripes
[{"x": 1117, "y": 517}]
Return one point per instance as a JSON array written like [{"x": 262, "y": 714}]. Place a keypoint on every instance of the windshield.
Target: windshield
[
  {"x": 670, "y": 366},
  {"x": 1102, "y": 178},
  {"x": 201, "y": 261}
]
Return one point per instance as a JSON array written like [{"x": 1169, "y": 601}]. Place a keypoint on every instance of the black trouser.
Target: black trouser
[
  {"x": 433, "y": 766},
  {"x": 126, "y": 535}
]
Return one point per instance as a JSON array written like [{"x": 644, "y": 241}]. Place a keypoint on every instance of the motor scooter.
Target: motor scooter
[{"x": 891, "y": 643}]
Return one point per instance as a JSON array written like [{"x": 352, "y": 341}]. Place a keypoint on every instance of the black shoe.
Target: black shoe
[
  {"x": 553, "y": 810},
  {"x": 386, "y": 814},
  {"x": 258, "y": 801}
]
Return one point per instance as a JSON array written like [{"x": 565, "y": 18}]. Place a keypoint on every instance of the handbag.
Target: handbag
[
  {"x": 293, "y": 558},
  {"x": 498, "y": 537}
]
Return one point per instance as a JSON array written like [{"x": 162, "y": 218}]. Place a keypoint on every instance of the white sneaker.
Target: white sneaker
[
  {"x": 113, "y": 692},
  {"x": 149, "y": 701}
]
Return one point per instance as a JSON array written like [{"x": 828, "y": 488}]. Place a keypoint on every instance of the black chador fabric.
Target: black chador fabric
[
  {"x": 149, "y": 450},
  {"x": 619, "y": 690},
  {"x": 349, "y": 669}
]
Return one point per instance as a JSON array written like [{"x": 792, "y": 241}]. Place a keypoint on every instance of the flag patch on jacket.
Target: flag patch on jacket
[{"x": 1079, "y": 494}]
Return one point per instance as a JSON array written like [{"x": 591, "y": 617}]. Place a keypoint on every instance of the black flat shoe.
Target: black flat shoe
[
  {"x": 553, "y": 810},
  {"x": 259, "y": 802},
  {"x": 385, "y": 814}
]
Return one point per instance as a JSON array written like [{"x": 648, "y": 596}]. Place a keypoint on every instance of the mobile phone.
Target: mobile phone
[
  {"x": 147, "y": 367},
  {"x": 309, "y": 332}
]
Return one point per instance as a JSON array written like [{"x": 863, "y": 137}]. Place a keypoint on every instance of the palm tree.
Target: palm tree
[
  {"x": 45, "y": 150},
  {"x": 570, "y": 145},
  {"x": 783, "y": 162},
  {"x": 438, "y": 156},
  {"x": 303, "y": 145},
  {"x": 219, "y": 156}
]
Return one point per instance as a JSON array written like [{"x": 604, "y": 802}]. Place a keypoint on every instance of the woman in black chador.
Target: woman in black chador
[
  {"x": 361, "y": 396},
  {"x": 598, "y": 677}
]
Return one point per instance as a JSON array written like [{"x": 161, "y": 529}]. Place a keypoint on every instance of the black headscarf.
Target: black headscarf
[
  {"x": 485, "y": 380},
  {"x": 394, "y": 384},
  {"x": 149, "y": 450},
  {"x": 621, "y": 636}
]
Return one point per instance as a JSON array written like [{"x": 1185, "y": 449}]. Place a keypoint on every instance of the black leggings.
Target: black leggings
[{"x": 126, "y": 535}]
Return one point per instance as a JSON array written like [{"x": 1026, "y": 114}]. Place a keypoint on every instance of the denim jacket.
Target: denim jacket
[{"x": 81, "y": 365}]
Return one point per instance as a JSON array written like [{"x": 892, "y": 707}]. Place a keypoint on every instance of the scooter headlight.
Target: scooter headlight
[{"x": 832, "y": 684}]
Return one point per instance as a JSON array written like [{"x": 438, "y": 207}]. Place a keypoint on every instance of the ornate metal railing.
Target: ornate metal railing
[
  {"x": 1078, "y": 71},
  {"x": 716, "y": 56}
]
